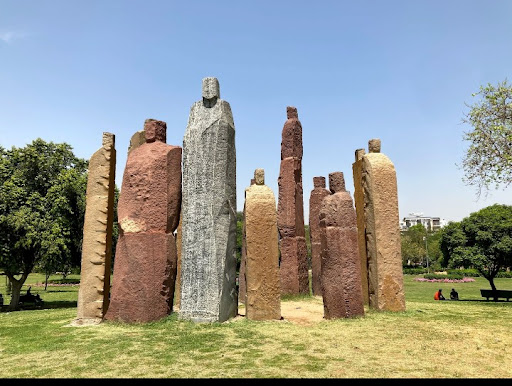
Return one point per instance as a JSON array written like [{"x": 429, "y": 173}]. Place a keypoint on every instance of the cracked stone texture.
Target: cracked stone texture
[
  {"x": 262, "y": 259},
  {"x": 357, "y": 173},
  {"x": 341, "y": 269},
  {"x": 290, "y": 210},
  {"x": 385, "y": 277},
  {"x": 208, "y": 264},
  {"x": 93, "y": 295},
  {"x": 318, "y": 193},
  {"x": 148, "y": 214},
  {"x": 242, "y": 286}
]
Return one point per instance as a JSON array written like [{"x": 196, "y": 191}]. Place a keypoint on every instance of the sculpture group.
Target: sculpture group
[{"x": 176, "y": 249}]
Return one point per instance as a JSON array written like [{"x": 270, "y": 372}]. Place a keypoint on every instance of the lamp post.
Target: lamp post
[{"x": 426, "y": 247}]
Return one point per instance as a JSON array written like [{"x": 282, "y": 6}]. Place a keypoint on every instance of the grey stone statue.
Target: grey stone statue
[{"x": 208, "y": 265}]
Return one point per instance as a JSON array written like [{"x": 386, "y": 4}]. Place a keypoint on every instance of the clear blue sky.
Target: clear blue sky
[{"x": 395, "y": 70}]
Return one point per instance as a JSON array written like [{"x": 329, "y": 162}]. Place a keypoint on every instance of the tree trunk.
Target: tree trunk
[
  {"x": 47, "y": 275},
  {"x": 16, "y": 289},
  {"x": 493, "y": 287}
]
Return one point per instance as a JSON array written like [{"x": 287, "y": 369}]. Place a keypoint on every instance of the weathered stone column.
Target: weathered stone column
[
  {"x": 290, "y": 211},
  {"x": 385, "y": 277},
  {"x": 341, "y": 268},
  {"x": 262, "y": 264},
  {"x": 315, "y": 202},
  {"x": 148, "y": 214},
  {"x": 242, "y": 286},
  {"x": 357, "y": 173},
  {"x": 208, "y": 264},
  {"x": 137, "y": 139},
  {"x": 93, "y": 295},
  {"x": 177, "y": 286}
]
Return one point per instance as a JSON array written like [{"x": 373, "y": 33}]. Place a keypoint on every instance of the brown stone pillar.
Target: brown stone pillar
[
  {"x": 315, "y": 202},
  {"x": 357, "y": 172},
  {"x": 385, "y": 277},
  {"x": 290, "y": 212},
  {"x": 93, "y": 295},
  {"x": 242, "y": 283},
  {"x": 148, "y": 214},
  {"x": 341, "y": 269},
  {"x": 262, "y": 260}
]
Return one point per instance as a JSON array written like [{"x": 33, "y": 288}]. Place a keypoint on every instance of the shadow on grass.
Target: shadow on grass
[{"x": 45, "y": 306}]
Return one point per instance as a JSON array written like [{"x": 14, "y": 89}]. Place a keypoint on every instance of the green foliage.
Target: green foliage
[
  {"x": 42, "y": 205},
  {"x": 488, "y": 160},
  {"x": 482, "y": 241},
  {"x": 415, "y": 248},
  {"x": 414, "y": 271}
]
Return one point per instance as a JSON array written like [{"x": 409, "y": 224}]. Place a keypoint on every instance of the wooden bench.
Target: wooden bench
[{"x": 489, "y": 293}]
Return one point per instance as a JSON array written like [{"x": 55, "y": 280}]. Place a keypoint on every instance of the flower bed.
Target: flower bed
[{"x": 463, "y": 280}]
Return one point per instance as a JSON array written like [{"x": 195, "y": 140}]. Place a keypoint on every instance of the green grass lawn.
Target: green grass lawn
[{"x": 431, "y": 339}]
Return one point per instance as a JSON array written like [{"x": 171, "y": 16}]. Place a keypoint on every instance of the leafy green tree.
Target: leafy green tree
[
  {"x": 42, "y": 205},
  {"x": 482, "y": 241},
  {"x": 488, "y": 160},
  {"x": 420, "y": 245}
]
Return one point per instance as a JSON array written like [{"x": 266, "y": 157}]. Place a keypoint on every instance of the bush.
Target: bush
[{"x": 414, "y": 271}]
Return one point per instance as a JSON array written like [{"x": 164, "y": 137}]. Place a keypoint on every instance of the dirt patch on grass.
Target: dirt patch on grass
[{"x": 303, "y": 312}]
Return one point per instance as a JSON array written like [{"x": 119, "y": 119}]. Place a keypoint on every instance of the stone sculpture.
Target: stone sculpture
[
  {"x": 357, "y": 173},
  {"x": 177, "y": 286},
  {"x": 242, "y": 287},
  {"x": 208, "y": 264},
  {"x": 93, "y": 295},
  {"x": 290, "y": 211},
  {"x": 315, "y": 202},
  {"x": 137, "y": 139},
  {"x": 341, "y": 269},
  {"x": 148, "y": 214},
  {"x": 382, "y": 226},
  {"x": 262, "y": 260}
]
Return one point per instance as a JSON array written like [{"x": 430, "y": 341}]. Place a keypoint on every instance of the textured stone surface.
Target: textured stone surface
[
  {"x": 385, "y": 275},
  {"x": 341, "y": 268},
  {"x": 242, "y": 283},
  {"x": 208, "y": 264},
  {"x": 148, "y": 214},
  {"x": 93, "y": 295},
  {"x": 262, "y": 260},
  {"x": 177, "y": 286},
  {"x": 315, "y": 202},
  {"x": 137, "y": 139},
  {"x": 290, "y": 209},
  {"x": 357, "y": 173}
]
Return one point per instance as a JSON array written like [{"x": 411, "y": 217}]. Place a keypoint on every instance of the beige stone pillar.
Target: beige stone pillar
[
  {"x": 357, "y": 172},
  {"x": 93, "y": 295},
  {"x": 386, "y": 292},
  {"x": 262, "y": 259}
]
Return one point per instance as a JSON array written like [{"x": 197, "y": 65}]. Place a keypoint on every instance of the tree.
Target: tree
[
  {"x": 483, "y": 241},
  {"x": 42, "y": 205},
  {"x": 488, "y": 159}
]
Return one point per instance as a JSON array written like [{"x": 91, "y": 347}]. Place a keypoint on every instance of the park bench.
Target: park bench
[{"x": 489, "y": 293}]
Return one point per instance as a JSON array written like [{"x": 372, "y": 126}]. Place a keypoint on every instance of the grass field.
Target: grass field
[{"x": 471, "y": 338}]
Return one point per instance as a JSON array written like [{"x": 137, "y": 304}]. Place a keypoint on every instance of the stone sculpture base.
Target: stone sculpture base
[{"x": 145, "y": 279}]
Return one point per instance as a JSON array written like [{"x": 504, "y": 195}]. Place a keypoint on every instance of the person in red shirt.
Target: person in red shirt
[{"x": 439, "y": 295}]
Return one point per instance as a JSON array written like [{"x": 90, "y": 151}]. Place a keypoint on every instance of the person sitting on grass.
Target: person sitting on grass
[
  {"x": 439, "y": 295},
  {"x": 454, "y": 295}
]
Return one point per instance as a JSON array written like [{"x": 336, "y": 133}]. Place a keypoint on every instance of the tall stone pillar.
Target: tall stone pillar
[
  {"x": 262, "y": 260},
  {"x": 177, "y": 286},
  {"x": 137, "y": 139},
  {"x": 357, "y": 173},
  {"x": 385, "y": 277},
  {"x": 208, "y": 246},
  {"x": 93, "y": 295},
  {"x": 341, "y": 268},
  {"x": 290, "y": 211},
  {"x": 242, "y": 286},
  {"x": 148, "y": 214},
  {"x": 315, "y": 202}
]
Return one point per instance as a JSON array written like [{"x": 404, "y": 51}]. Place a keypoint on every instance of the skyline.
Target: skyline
[{"x": 398, "y": 71}]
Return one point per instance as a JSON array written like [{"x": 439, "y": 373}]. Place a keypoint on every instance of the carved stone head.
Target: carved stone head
[
  {"x": 259, "y": 176},
  {"x": 211, "y": 91},
  {"x": 319, "y": 182},
  {"x": 291, "y": 112},
  {"x": 336, "y": 182},
  {"x": 109, "y": 140},
  {"x": 359, "y": 154},
  {"x": 155, "y": 130},
  {"x": 374, "y": 145}
]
